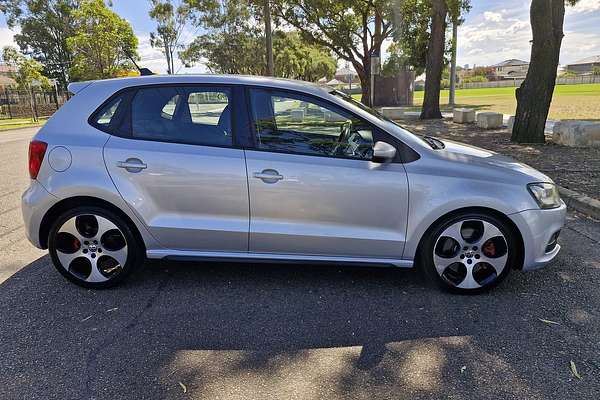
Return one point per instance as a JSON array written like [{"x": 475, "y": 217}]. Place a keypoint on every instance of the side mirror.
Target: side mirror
[{"x": 383, "y": 152}]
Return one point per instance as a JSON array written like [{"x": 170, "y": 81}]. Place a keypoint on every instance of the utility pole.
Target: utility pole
[
  {"x": 268, "y": 38},
  {"x": 452, "y": 96}
]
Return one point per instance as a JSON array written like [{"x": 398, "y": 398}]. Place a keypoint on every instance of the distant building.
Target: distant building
[
  {"x": 511, "y": 69},
  {"x": 585, "y": 66},
  {"x": 5, "y": 76}
]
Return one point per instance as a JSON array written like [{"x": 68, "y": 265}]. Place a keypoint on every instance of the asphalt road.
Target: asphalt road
[{"x": 226, "y": 331}]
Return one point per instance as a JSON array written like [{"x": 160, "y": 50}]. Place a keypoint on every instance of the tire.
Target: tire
[
  {"x": 93, "y": 255},
  {"x": 468, "y": 253}
]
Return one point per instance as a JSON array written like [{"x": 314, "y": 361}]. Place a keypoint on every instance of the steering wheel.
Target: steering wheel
[{"x": 345, "y": 131}]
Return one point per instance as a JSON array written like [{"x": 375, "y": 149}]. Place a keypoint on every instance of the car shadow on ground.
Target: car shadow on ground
[{"x": 274, "y": 331}]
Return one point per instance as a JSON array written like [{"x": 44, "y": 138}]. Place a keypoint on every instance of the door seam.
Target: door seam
[{"x": 249, "y": 200}]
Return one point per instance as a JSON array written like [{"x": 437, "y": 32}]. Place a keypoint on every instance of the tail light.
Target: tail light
[{"x": 37, "y": 149}]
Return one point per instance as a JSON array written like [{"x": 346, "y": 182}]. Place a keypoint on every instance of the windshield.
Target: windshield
[{"x": 430, "y": 141}]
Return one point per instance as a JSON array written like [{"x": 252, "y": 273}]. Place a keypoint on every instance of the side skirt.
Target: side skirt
[{"x": 184, "y": 255}]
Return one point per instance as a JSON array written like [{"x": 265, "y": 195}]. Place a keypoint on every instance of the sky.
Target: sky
[{"x": 493, "y": 31}]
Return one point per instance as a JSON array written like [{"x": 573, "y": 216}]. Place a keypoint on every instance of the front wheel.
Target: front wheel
[
  {"x": 93, "y": 247},
  {"x": 469, "y": 253}
]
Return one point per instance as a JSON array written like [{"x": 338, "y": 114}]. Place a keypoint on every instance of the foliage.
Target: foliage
[
  {"x": 413, "y": 29},
  {"x": 296, "y": 59},
  {"x": 44, "y": 26},
  {"x": 596, "y": 71},
  {"x": 474, "y": 79},
  {"x": 234, "y": 43},
  {"x": 231, "y": 42},
  {"x": 396, "y": 62},
  {"x": 171, "y": 20},
  {"x": 351, "y": 29},
  {"x": 102, "y": 44},
  {"x": 28, "y": 72}
]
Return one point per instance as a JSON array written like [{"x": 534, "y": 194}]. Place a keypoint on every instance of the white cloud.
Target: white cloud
[
  {"x": 492, "y": 16},
  {"x": 584, "y": 6},
  {"x": 578, "y": 45},
  {"x": 7, "y": 37}
]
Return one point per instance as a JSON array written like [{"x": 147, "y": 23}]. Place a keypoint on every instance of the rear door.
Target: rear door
[
  {"x": 314, "y": 191},
  {"x": 177, "y": 165}
]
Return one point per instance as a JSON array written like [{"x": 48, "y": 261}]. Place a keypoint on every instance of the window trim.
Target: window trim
[
  {"x": 133, "y": 90},
  {"x": 378, "y": 133}
]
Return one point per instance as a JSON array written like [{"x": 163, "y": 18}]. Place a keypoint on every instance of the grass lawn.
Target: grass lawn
[
  {"x": 8, "y": 124},
  {"x": 569, "y": 101}
]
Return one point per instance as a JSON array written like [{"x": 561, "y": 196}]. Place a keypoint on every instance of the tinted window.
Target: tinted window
[
  {"x": 183, "y": 115},
  {"x": 298, "y": 124}
]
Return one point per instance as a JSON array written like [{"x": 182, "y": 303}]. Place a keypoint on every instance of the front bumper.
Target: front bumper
[
  {"x": 537, "y": 228},
  {"x": 35, "y": 203}
]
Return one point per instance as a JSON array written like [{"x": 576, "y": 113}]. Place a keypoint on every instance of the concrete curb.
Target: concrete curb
[{"x": 580, "y": 202}]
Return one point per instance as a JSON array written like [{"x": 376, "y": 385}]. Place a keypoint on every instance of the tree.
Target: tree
[
  {"x": 171, "y": 20},
  {"x": 27, "y": 72},
  {"x": 231, "y": 42},
  {"x": 296, "y": 59},
  {"x": 268, "y": 37},
  {"x": 103, "y": 43},
  {"x": 351, "y": 29},
  {"x": 535, "y": 93},
  {"x": 421, "y": 35},
  {"x": 45, "y": 26},
  {"x": 435, "y": 60}
]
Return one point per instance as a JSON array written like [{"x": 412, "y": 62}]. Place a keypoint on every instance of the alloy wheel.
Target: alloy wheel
[
  {"x": 470, "y": 254},
  {"x": 91, "y": 248}
]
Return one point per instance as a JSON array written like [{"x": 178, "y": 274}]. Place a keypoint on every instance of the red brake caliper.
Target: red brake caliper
[{"x": 489, "y": 249}]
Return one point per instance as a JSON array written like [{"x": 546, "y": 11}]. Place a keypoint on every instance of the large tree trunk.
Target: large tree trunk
[
  {"x": 268, "y": 39},
  {"x": 435, "y": 60},
  {"x": 535, "y": 94}
]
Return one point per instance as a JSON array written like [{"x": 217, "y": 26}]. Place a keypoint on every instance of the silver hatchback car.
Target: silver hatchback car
[{"x": 256, "y": 169}]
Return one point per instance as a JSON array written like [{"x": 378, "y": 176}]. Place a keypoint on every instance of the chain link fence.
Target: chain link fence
[{"x": 37, "y": 104}]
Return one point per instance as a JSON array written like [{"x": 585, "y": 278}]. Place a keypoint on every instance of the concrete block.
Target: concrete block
[
  {"x": 392, "y": 112},
  {"x": 489, "y": 120},
  {"x": 464, "y": 115},
  {"x": 297, "y": 115},
  {"x": 577, "y": 133},
  {"x": 511, "y": 123}
]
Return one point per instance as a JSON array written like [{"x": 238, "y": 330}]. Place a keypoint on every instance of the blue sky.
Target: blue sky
[{"x": 493, "y": 31}]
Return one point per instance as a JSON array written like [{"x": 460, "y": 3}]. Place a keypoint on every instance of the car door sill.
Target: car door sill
[{"x": 184, "y": 255}]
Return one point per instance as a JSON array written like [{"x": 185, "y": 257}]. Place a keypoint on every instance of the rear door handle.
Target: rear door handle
[
  {"x": 132, "y": 165},
  {"x": 268, "y": 176}
]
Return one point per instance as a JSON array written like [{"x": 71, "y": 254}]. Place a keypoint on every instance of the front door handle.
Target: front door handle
[
  {"x": 132, "y": 165},
  {"x": 268, "y": 176}
]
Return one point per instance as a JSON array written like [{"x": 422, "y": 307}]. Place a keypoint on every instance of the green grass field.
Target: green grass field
[
  {"x": 15, "y": 123},
  {"x": 569, "y": 101}
]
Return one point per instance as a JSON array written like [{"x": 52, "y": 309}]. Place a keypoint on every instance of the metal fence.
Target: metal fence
[
  {"x": 575, "y": 80},
  {"x": 23, "y": 104}
]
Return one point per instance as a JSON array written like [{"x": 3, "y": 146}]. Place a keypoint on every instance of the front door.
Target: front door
[
  {"x": 179, "y": 171},
  {"x": 313, "y": 187}
]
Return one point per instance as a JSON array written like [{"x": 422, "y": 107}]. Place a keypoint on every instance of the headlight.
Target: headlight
[{"x": 545, "y": 194}]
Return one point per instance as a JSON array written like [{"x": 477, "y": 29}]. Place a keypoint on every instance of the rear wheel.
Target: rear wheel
[
  {"x": 93, "y": 247},
  {"x": 469, "y": 253}
]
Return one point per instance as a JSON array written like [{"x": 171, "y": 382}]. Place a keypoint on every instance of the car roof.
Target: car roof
[{"x": 278, "y": 83}]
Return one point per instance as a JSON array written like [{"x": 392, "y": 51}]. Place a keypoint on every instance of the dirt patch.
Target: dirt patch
[{"x": 574, "y": 168}]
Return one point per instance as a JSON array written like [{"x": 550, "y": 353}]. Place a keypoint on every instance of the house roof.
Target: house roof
[
  {"x": 510, "y": 63},
  {"x": 588, "y": 60}
]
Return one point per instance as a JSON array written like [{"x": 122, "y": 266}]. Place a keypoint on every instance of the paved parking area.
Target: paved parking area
[{"x": 227, "y": 331}]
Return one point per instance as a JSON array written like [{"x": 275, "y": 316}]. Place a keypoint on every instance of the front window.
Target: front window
[{"x": 294, "y": 123}]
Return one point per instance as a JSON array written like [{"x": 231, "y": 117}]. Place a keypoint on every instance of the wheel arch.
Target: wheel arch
[
  {"x": 484, "y": 210},
  {"x": 78, "y": 201}
]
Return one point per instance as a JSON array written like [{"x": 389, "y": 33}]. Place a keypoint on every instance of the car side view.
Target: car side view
[{"x": 237, "y": 168}]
